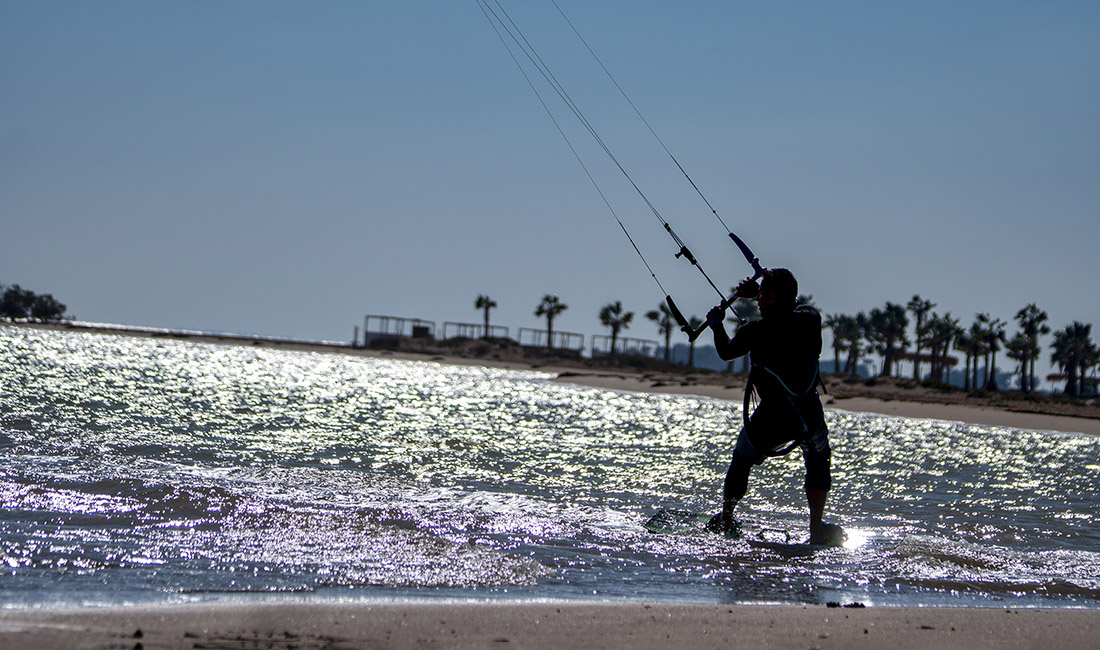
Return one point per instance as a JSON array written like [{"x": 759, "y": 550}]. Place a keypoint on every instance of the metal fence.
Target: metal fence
[
  {"x": 396, "y": 326},
  {"x": 377, "y": 327},
  {"x": 472, "y": 330},
  {"x": 561, "y": 340},
  {"x": 601, "y": 346}
]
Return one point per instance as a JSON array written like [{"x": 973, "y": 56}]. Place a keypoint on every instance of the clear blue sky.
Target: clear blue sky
[{"x": 284, "y": 168}]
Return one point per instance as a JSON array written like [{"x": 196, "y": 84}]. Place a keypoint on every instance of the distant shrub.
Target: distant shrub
[
  {"x": 385, "y": 343},
  {"x": 17, "y": 302},
  {"x": 47, "y": 308}
]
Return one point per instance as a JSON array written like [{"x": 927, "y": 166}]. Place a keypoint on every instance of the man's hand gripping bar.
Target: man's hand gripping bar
[{"x": 758, "y": 271}]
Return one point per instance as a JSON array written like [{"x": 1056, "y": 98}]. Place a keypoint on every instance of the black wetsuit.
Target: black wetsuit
[{"x": 783, "y": 350}]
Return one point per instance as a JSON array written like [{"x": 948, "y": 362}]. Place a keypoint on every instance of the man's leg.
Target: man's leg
[
  {"x": 733, "y": 490},
  {"x": 819, "y": 479},
  {"x": 816, "y": 500},
  {"x": 736, "y": 484},
  {"x": 737, "y": 481}
]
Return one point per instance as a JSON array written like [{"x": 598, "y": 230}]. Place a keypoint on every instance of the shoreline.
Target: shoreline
[
  {"x": 544, "y": 625},
  {"x": 882, "y": 399},
  {"x": 978, "y": 415}
]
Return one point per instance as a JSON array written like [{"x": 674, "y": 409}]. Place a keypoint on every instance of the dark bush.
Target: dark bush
[{"x": 47, "y": 308}]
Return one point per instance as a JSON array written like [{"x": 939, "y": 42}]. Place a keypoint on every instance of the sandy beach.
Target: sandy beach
[{"x": 543, "y": 626}]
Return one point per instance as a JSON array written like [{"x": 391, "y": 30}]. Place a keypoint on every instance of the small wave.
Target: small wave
[{"x": 1056, "y": 588}]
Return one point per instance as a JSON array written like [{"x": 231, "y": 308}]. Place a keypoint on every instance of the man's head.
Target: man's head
[{"x": 778, "y": 291}]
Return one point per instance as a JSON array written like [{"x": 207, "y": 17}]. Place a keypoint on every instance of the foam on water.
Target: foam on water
[{"x": 142, "y": 469}]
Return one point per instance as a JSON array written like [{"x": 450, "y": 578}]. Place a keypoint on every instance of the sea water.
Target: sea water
[{"x": 157, "y": 470}]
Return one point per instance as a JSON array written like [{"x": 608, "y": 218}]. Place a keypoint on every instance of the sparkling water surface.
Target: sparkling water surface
[{"x": 155, "y": 470}]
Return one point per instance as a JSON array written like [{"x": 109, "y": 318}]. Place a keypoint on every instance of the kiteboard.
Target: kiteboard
[
  {"x": 769, "y": 539},
  {"x": 668, "y": 521}
]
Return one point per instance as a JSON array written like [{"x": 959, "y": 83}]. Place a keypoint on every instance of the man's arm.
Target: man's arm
[{"x": 728, "y": 348}]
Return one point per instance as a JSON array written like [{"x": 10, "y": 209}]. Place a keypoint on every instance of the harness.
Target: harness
[{"x": 792, "y": 401}]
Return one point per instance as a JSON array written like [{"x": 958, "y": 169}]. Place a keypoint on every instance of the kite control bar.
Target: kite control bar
[{"x": 757, "y": 272}]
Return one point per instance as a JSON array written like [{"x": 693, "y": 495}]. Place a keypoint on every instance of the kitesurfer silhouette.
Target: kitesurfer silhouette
[{"x": 783, "y": 348}]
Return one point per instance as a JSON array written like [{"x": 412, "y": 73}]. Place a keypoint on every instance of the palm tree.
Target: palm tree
[
  {"x": 1018, "y": 349},
  {"x": 939, "y": 333},
  {"x": 613, "y": 316},
  {"x": 993, "y": 334},
  {"x": 964, "y": 343},
  {"x": 920, "y": 308},
  {"x": 886, "y": 328},
  {"x": 1074, "y": 352},
  {"x": 485, "y": 303},
  {"x": 972, "y": 344},
  {"x": 853, "y": 339},
  {"x": 1090, "y": 359},
  {"x": 694, "y": 322},
  {"x": 839, "y": 324},
  {"x": 550, "y": 307},
  {"x": 665, "y": 324},
  {"x": 1032, "y": 321}
]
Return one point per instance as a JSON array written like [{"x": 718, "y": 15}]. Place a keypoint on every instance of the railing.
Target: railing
[
  {"x": 472, "y": 330},
  {"x": 561, "y": 340},
  {"x": 396, "y": 326},
  {"x": 601, "y": 346}
]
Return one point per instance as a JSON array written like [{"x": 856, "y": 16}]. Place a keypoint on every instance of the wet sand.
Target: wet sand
[{"x": 549, "y": 626}]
